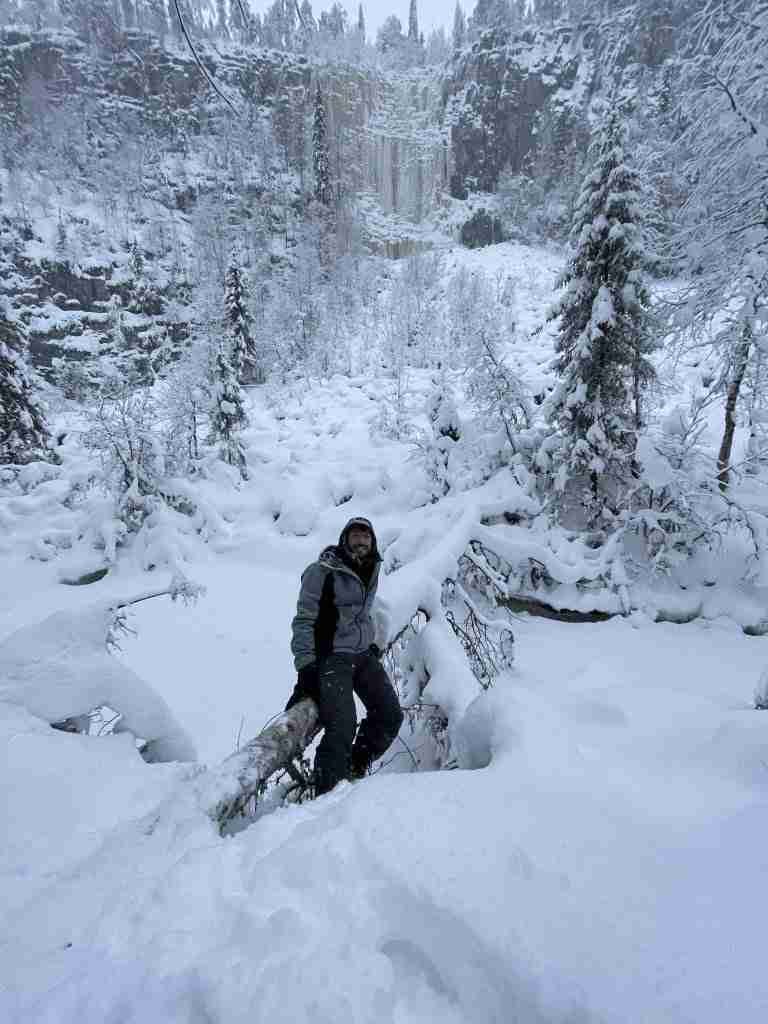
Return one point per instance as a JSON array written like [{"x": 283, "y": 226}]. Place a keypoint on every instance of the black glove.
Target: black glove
[
  {"x": 308, "y": 679},
  {"x": 307, "y": 685},
  {"x": 376, "y": 651}
]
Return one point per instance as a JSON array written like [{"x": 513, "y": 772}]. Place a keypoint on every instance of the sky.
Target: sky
[{"x": 431, "y": 12}]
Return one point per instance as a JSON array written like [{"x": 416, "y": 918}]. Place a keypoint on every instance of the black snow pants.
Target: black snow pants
[{"x": 340, "y": 751}]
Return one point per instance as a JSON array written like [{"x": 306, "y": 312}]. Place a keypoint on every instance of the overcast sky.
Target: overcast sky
[{"x": 431, "y": 12}]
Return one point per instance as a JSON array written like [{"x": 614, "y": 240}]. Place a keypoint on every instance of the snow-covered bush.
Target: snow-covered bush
[
  {"x": 411, "y": 319},
  {"x": 437, "y": 450},
  {"x": 146, "y": 444},
  {"x": 393, "y": 421},
  {"x": 498, "y": 392},
  {"x": 184, "y": 398},
  {"x": 124, "y": 433}
]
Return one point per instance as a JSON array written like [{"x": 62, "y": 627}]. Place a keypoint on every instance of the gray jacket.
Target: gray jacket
[{"x": 334, "y": 611}]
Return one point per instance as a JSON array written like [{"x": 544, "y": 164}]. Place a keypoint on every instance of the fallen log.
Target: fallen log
[{"x": 243, "y": 774}]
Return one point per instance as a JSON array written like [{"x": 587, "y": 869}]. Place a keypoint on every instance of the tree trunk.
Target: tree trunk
[
  {"x": 731, "y": 399},
  {"x": 241, "y": 775}
]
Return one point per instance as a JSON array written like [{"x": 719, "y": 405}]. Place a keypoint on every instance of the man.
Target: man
[{"x": 335, "y": 656}]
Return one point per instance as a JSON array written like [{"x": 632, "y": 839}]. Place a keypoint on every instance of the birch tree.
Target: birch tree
[{"x": 723, "y": 239}]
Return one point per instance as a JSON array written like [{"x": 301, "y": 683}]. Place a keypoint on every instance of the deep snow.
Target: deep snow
[{"x": 600, "y": 857}]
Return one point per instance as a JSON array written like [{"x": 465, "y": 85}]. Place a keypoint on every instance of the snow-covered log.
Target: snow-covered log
[{"x": 228, "y": 788}]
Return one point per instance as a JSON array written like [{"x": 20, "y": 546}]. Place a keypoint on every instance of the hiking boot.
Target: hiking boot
[{"x": 357, "y": 772}]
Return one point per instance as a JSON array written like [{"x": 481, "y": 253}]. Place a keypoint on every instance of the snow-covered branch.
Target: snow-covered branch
[{"x": 61, "y": 669}]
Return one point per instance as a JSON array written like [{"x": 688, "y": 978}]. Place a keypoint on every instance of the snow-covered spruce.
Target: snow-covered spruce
[
  {"x": 320, "y": 157},
  {"x": 238, "y": 324},
  {"x": 604, "y": 334},
  {"x": 227, "y": 413},
  {"x": 23, "y": 431}
]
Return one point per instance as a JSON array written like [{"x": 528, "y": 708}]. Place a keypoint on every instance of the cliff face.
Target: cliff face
[
  {"x": 130, "y": 149},
  {"x": 137, "y": 69},
  {"x": 496, "y": 93}
]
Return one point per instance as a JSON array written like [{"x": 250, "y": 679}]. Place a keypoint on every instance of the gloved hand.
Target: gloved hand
[
  {"x": 376, "y": 651},
  {"x": 307, "y": 685},
  {"x": 308, "y": 679}
]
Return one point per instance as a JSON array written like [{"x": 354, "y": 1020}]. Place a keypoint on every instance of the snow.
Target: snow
[
  {"x": 61, "y": 668},
  {"x": 597, "y": 856}
]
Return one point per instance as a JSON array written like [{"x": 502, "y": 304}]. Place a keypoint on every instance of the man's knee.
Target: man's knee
[
  {"x": 384, "y": 704},
  {"x": 392, "y": 718}
]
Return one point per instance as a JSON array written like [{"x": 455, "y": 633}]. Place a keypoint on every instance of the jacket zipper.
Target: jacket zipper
[{"x": 343, "y": 568}]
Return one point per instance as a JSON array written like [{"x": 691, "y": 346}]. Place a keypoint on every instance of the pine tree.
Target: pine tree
[
  {"x": 238, "y": 321},
  {"x": 413, "y": 23},
  {"x": 307, "y": 20},
  {"x": 360, "y": 22},
  {"x": 320, "y": 157},
  {"x": 459, "y": 27},
  {"x": 604, "y": 321},
  {"x": 23, "y": 433},
  {"x": 228, "y": 416}
]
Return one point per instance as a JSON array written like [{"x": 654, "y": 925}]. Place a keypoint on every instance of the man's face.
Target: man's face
[{"x": 360, "y": 542}]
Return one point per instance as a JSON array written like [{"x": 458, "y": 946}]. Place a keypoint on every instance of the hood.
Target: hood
[{"x": 360, "y": 521}]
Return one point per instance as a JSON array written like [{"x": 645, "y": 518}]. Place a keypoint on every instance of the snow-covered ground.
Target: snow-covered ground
[{"x": 600, "y": 858}]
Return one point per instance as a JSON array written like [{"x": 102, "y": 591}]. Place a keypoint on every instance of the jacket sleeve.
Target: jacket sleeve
[{"x": 303, "y": 625}]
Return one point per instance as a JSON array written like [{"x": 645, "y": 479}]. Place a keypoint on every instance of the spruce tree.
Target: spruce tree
[
  {"x": 238, "y": 321},
  {"x": 360, "y": 22},
  {"x": 228, "y": 416},
  {"x": 413, "y": 23},
  {"x": 604, "y": 336},
  {"x": 459, "y": 27},
  {"x": 23, "y": 433},
  {"x": 320, "y": 158},
  {"x": 307, "y": 19}
]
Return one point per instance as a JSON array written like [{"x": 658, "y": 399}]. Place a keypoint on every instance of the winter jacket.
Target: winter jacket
[{"x": 333, "y": 615}]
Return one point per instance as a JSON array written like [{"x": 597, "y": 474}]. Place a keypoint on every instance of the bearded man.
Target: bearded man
[{"x": 336, "y": 657}]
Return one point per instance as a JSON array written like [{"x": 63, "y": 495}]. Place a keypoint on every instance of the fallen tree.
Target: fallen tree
[{"x": 244, "y": 774}]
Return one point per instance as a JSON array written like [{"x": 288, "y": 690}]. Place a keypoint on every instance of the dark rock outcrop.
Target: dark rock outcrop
[{"x": 496, "y": 93}]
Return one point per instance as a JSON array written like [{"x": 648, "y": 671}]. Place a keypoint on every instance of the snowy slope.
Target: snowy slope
[{"x": 599, "y": 859}]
